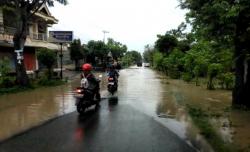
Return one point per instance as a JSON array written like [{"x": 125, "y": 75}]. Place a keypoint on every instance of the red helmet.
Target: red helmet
[{"x": 86, "y": 67}]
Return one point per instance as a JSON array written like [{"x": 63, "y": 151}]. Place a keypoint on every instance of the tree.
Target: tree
[
  {"x": 47, "y": 57},
  {"x": 166, "y": 43},
  {"x": 131, "y": 57},
  {"x": 117, "y": 49},
  {"x": 127, "y": 60},
  {"x": 23, "y": 11},
  {"x": 76, "y": 52},
  {"x": 97, "y": 49},
  {"x": 136, "y": 56},
  {"x": 227, "y": 24}
]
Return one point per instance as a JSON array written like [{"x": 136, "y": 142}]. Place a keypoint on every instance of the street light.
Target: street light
[{"x": 104, "y": 32}]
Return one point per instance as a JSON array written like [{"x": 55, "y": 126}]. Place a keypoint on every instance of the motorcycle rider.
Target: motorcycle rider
[
  {"x": 113, "y": 73},
  {"x": 89, "y": 82}
]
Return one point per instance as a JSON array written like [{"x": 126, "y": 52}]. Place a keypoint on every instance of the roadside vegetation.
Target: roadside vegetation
[
  {"x": 100, "y": 54},
  {"x": 202, "y": 119},
  {"x": 216, "y": 50},
  {"x": 8, "y": 82}
]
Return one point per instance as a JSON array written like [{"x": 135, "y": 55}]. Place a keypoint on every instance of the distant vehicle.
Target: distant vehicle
[
  {"x": 146, "y": 64},
  {"x": 139, "y": 64}
]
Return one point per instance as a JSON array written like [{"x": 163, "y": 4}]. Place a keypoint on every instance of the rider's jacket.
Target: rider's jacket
[{"x": 89, "y": 82}]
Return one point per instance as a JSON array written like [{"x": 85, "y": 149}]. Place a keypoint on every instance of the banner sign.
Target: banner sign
[{"x": 61, "y": 36}]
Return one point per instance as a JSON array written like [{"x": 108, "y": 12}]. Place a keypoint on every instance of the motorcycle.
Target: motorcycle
[
  {"x": 86, "y": 98},
  {"x": 112, "y": 85}
]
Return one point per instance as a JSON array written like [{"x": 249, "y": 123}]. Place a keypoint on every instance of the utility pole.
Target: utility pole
[
  {"x": 61, "y": 57},
  {"x": 104, "y": 32}
]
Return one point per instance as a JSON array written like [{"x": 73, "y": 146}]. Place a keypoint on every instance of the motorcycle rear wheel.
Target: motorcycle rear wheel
[{"x": 80, "y": 109}]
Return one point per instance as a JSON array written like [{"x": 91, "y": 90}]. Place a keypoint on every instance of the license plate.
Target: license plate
[
  {"x": 78, "y": 95},
  {"x": 111, "y": 83}
]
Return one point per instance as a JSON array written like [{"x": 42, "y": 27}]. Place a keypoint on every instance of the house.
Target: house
[{"x": 37, "y": 37}]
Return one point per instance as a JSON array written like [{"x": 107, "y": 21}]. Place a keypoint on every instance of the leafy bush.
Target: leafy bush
[
  {"x": 4, "y": 66},
  {"x": 158, "y": 60},
  {"x": 7, "y": 82},
  {"x": 186, "y": 77},
  {"x": 47, "y": 57},
  {"x": 226, "y": 80},
  {"x": 213, "y": 70}
]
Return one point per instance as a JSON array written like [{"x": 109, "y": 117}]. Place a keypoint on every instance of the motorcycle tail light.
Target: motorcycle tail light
[
  {"x": 110, "y": 79},
  {"x": 78, "y": 90}
]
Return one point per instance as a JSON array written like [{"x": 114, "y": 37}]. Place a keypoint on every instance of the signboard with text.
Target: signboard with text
[{"x": 61, "y": 36}]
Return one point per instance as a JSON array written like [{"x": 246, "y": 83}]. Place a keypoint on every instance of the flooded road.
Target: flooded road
[
  {"x": 165, "y": 100},
  {"x": 21, "y": 111},
  {"x": 144, "y": 90},
  {"x": 24, "y": 110}
]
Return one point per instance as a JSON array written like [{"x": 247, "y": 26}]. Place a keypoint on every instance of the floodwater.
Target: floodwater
[
  {"x": 147, "y": 91},
  {"x": 165, "y": 100},
  {"x": 24, "y": 110}
]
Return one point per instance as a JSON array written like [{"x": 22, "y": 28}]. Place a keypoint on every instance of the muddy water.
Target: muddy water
[
  {"x": 232, "y": 125},
  {"x": 165, "y": 100},
  {"x": 21, "y": 111},
  {"x": 147, "y": 91}
]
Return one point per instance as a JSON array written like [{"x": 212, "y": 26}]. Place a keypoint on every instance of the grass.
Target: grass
[{"x": 201, "y": 120}]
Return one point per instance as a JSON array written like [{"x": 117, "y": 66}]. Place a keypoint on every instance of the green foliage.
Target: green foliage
[
  {"x": 22, "y": 13},
  {"x": 173, "y": 64},
  {"x": 157, "y": 60},
  {"x": 214, "y": 70},
  {"x": 76, "y": 51},
  {"x": 136, "y": 56},
  {"x": 186, "y": 77},
  {"x": 4, "y": 66},
  {"x": 97, "y": 48},
  {"x": 127, "y": 60},
  {"x": 5, "y": 80},
  {"x": 117, "y": 49},
  {"x": 130, "y": 58},
  {"x": 47, "y": 57},
  {"x": 166, "y": 43},
  {"x": 226, "y": 24},
  {"x": 226, "y": 80},
  {"x": 199, "y": 56},
  {"x": 201, "y": 119},
  {"x": 148, "y": 54}
]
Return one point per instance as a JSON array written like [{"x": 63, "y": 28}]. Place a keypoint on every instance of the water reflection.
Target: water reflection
[
  {"x": 230, "y": 124},
  {"x": 164, "y": 100},
  {"x": 21, "y": 111},
  {"x": 113, "y": 101}
]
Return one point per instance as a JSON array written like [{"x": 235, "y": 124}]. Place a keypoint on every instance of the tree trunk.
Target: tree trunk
[
  {"x": 76, "y": 65},
  {"x": 210, "y": 85},
  {"x": 241, "y": 92},
  {"x": 19, "y": 40}
]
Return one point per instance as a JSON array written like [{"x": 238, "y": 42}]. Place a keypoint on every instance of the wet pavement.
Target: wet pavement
[
  {"x": 113, "y": 128},
  {"x": 149, "y": 106}
]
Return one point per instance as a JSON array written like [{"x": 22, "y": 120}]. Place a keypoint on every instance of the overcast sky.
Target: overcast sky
[{"x": 134, "y": 23}]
